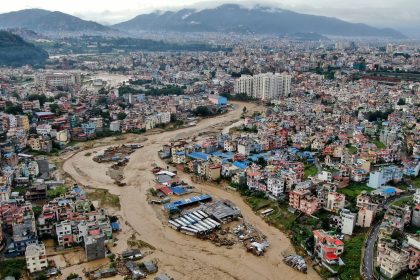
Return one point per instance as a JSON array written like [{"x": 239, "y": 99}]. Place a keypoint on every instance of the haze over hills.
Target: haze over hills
[
  {"x": 224, "y": 18},
  {"x": 14, "y": 51},
  {"x": 258, "y": 20},
  {"x": 44, "y": 21}
]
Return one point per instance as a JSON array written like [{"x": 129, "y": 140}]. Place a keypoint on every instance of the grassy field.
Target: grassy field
[
  {"x": 352, "y": 150},
  {"x": 379, "y": 144},
  {"x": 310, "y": 170},
  {"x": 403, "y": 201},
  {"x": 105, "y": 198},
  {"x": 354, "y": 189},
  {"x": 352, "y": 256}
]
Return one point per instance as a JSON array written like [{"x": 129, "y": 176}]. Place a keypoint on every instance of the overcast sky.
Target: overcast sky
[{"x": 400, "y": 14}]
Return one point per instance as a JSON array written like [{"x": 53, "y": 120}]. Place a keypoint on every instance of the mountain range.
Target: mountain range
[
  {"x": 256, "y": 20},
  {"x": 43, "y": 21},
  {"x": 224, "y": 18},
  {"x": 14, "y": 51}
]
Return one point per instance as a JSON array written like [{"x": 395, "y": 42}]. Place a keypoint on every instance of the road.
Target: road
[{"x": 369, "y": 249}]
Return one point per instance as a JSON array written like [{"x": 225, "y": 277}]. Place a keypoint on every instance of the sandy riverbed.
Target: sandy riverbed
[{"x": 181, "y": 256}]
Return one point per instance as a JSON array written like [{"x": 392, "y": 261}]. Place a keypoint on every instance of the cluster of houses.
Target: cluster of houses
[
  {"x": 71, "y": 219},
  {"x": 398, "y": 248}
]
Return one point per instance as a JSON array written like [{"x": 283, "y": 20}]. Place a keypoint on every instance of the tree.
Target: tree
[
  {"x": 54, "y": 108},
  {"x": 401, "y": 102},
  {"x": 202, "y": 111},
  {"x": 262, "y": 162},
  {"x": 121, "y": 115},
  {"x": 40, "y": 97}
]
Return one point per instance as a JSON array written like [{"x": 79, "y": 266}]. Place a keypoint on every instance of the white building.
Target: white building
[
  {"x": 348, "y": 221},
  {"x": 115, "y": 125},
  {"x": 57, "y": 79},
  {"x": 275, "y": 185},
  {"x": 384, "y": 175},
  {"x": 36, "y": 257},
  {"x": 417, "y": 196},
  {"x": 267, "y": 86}
]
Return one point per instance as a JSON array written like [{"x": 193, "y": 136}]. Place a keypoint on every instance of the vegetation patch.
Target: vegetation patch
[
  {"x": 310, "y": 170},
  {"x": 105, "y": 198},
  {"x": 15, "y": 268}
]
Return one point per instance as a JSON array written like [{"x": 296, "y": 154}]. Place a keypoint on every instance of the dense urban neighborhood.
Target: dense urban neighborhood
[{"x": 209, "y": 155}]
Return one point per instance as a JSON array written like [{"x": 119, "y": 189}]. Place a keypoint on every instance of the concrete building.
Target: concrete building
[
  {"x": 267, "y": 86},
  {"x": 95, "y": 247},
  {"x": 348, "y": 221},
  {"x": 36, "y": 257},
  {"x": 391, "y": 259},
  {"x": 57, "y": 79},
  {"x": 367, "y": 210},
  {"x": 335, "y": 201},
  {"x": 384, "y": 175},
  {"x": 327, "y": 247}
]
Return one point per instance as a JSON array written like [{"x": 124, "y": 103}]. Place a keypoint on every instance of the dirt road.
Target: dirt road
[{"x": 181, "y": 256}]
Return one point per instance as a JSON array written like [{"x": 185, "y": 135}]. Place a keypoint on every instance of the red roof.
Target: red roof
[
  {"x": 95, "y": 232},
  {"x": 331, "y": 256},
  {"x": 166, "y": 190}
]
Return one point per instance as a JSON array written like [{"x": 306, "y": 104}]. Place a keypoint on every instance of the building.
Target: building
[
  {"x": 413, "y": 242},
  {"x": 335, "y": 201},
  {"x": 275, "y": 185},
  {"x": 36, "y": 257},
  {"x": 391, "y": 259},
  {"x": 95, "y": 247},
  {"x": 348, "y": 221},
  {"x": 367, "y": 210},
  {"x": 384, "y": 175},
  {"x": 327, "y": 247},
  {"x": 218, "y": 100},
  {"x": 57, "y": 79},
  {"x": 302, "y": 200},
  {"x": 267, "y": 86}
]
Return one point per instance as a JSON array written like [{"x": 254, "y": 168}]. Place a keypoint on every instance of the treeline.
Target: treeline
[
  {"x": 168, "y": 90},
  {"x": 378, "y": 115},
  {"x": 109, "y": 45}
]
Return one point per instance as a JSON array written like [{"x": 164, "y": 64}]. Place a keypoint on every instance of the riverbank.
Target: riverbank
[{"x": 181, "y": 256}]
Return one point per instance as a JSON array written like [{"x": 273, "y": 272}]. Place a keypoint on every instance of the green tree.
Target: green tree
[
  {"x": 121, "y": 115},
  {"x": 54, "y": 108}
]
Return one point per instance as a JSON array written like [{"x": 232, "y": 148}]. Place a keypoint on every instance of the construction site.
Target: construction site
[{"x": 221, "y": 223}]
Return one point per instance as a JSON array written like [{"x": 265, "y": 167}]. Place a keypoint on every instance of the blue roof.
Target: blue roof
[
  {"x": 115, "y": 226},
  {"x": 389, "y": 190},
  {"x": 225, "y": 156},
  {"x": 187, "y": 201},
  {"x": 178, "y": 190},
  {"x": 241, "y": 164},
  {"x": 198, "y": 155},
  {"x": 180, "y": 153}
]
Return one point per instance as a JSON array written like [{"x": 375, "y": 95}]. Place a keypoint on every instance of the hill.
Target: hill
[
  {"x": 43, "y": 21},
  {"x": 14, "y": 51},
  {"x": 256, "y": 20}
]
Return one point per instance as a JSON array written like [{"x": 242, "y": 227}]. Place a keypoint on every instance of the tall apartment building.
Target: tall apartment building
[
  {"x": 57, "y": 79},
  {"x": 267, "y": 86}
]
